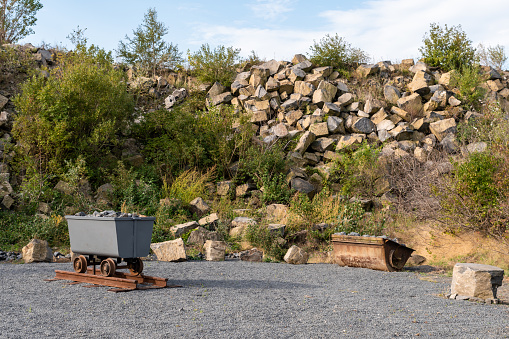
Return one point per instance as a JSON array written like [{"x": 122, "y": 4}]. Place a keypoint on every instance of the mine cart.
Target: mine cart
[
  {"x": 105, "y": 238},
  {"x": 107, "y": 242},
  {"x": 370, "y": 252}
]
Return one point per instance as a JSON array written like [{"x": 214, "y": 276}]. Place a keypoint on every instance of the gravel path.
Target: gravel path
[{"x": 235, "y": 299}]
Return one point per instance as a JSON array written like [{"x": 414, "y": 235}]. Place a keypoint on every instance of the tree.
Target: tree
[
  {"x": 492, "y": 56},
  {"x": 215, "y": 65},
  {"x": 147, "y": 49},
  {"x": 16, "y": 18},
  {"x": 447, "y": 48},
  {"x": 336, "y": 52}
]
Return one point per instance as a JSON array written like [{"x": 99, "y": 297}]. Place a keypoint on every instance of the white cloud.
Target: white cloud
[
  {"x": 394, "y": 29},
  {"x": 267, "y": 43},
  {"x": 385, "y": 29},
  {"x": 270, "y": 9}
]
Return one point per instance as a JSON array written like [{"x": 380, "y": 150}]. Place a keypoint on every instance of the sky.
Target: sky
[{"x": 276, "y": 29}]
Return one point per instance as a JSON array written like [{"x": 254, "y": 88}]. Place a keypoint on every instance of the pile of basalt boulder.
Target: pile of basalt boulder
[{"x": 416, "y": 113}]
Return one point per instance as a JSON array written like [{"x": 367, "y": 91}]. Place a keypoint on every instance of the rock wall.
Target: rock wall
[{"x": 415, "y": 112}]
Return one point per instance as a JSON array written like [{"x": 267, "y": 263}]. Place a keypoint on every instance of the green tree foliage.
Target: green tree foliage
[
  {"x": 491, "y": 56},
  {"x": 189, "y": 136},
  {"x": 16, "y": 19},
  {"x": 335, "y": 51},
  {"x": 214, "y": 65},
  {"x": 77, "y": 110},
  {"x": 448, "y": 48},
  {"x": 146, "y": 49}
]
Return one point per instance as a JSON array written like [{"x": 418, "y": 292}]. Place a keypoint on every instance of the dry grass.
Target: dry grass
[{"x": 189, "y": 185}]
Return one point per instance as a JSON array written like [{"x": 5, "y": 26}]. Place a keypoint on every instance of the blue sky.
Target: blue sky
[{"x": 385, "y": 29}]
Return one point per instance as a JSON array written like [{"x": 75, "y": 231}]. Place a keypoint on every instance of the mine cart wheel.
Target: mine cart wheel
[
  {"x": 80, "y": 264},
  {"x": 108, "y": 267},
  {"x": 396, "y": 259},
  {"x": 136, "y": 266}
]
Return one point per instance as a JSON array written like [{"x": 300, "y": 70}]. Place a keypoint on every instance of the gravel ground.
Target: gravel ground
[{"x": 235, "y": 299}]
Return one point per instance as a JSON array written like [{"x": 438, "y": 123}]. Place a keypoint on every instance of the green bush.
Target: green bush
[
  {"x": 491, "y": 127},
  {"x": 468, "y": 81},
  {"x": 475, "y": 178},
  {"x": 275, "y": 189},
  {"x": 266, "y": 166},
  {"x": 133, "y": 193},
  {"x": 78, "y": 195},
  {"x": 357, "y": 171},
  {"x": 14, "y": 61},
  {"x": 448, "y": 48},
  {"x": 336, "y": 52},
  {"x": 214, "y": 65},
  {"x": 258, "y": 161},
  {"x": 474, "y": 199},
  {"x": 262, "y": 237},
  {"x": 166, "y": 217},
  {"x": 188, "y": 136},
  {"x": 18, "y": 229},
  {"x": 77, "y": 111}
]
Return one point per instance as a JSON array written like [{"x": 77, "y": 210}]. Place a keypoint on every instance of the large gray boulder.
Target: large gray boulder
[
  {"x": 335, "y": 125},
  {"x": 180, "y": 229},
  {"x": 476, "y": 280},
  {"x": 177, "y": 96},
  {"x": 199, "y": 206},
  {"x": 303, "y": 186},
  {"x": 209, "y": 219},
  {"x": 214, "y": 250},
  {"x": 296, "y": 256},
  {"x": 173, "y": 250},
  {"x": 443, "y": 127},
  {"x": 252, "y": 255},
  {"x": 391, "y": 94},
  {"x": 240, "y": 224},
  {"x": 200, "y": 235},
  {"x": 363, "y": 125},
  {"x": 37, "y": 251},
  {"x": 3, "y": 101},
  {"x": 304, "y": 88},
  {"x": 305, "y": 140},
  {"x": 366, "y": 70},
  {"x": 5, "y": 186},
  {"x": 411, "y": 103}
]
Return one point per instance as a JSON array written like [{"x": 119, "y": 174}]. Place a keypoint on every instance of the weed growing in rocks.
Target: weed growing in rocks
[
  {"x": 468, "y": 81},
  {"x": 357, "y": 171},
  {"x": 188, "y": 185},
  {"x": 262, "y": 237}
]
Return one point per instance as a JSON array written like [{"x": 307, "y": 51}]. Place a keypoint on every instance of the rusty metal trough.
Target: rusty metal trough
[{"x": 370, "y": 252}]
